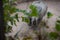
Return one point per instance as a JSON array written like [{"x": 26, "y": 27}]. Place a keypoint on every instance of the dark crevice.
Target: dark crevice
[{"x": 2, "y": 26}]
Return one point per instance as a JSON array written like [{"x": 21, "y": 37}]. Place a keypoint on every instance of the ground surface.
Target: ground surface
[{"x": 53, "y": 7}]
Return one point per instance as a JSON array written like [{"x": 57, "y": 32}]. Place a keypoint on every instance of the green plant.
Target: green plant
[
  {"x": 33, "y": 12},
  {"x": 57, "y": 25},
  {"x": 10, "y": 15},
  {"x": 55, "y": 35},
  {"x": 58, "y": 21},
  {"x": 49, "y": 14},
  {"x": 9, "y": 10}
]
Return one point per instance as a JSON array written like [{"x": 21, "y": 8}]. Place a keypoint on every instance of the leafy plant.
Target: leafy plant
[
  {"x": 30, "y": 14},
  {"x": 25, "y": 19},
  {"x": 27, "y": 38},
  {"x": 49, "y": 14},
  {"x": 10, "y": 15},
  {"x": 58, "y": 21},
  {"x": 58, "y": 25},
  {"x": 34, "y": 11},
  {"x": 53, "y": 35},
  {"x": 9, "y": 10}
]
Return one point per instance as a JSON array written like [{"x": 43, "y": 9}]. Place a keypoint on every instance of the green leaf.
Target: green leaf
[
  {"x": 16, "y": 17},
  {"x": 13, "y": 10},
  {"x": 23, "y": 11},
  {"x": 11, "y": 20},
  {"x": 20, "y": 10},
  {"x": 15, "y": 22},
  {"x": 8, "y": 28},
  {"x": 8, "y": 11},
  {"x": 57, "y": 26},
  {"x": 7, "y": 7},
  {"x": 34, "y": 11},
  {"x": 5, "y": 1},
  {"x": 53, "y": 35},
  {"x": 49, "y": 14},
  {"x": 58, "y": 21},
  {"x": 17, "y": 10},
  {"x": 6, "y": 16},
  {"x": 24, "y": 19}
]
